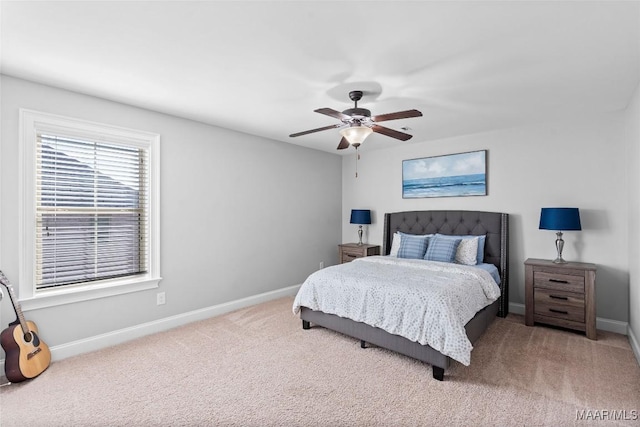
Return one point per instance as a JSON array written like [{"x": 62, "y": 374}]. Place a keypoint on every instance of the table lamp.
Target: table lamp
[
  {"x": 559, "y": 220},
  {"x": 360, "y": 216}
]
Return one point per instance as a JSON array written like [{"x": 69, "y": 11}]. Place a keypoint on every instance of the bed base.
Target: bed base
[{"x": 380, "y": 338}]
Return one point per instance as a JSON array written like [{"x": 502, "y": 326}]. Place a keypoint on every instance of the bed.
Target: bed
[{"x": 493, "y": 225}]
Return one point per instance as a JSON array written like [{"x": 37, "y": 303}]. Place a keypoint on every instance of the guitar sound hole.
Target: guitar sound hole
[{"x": 28, "y": 337}]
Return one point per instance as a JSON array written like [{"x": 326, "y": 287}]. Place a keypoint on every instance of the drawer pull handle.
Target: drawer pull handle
[
  {"x": 559, "y": 297},
  {"x": 558, "y": 311},
  {"x": 558, "y": 281},
  {"x": 351, "y": 255}
]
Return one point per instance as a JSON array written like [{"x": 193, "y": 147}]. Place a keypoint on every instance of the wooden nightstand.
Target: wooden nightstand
[
  {"x": 350, "y": 251},
  {"x": 561, "y": 295}
]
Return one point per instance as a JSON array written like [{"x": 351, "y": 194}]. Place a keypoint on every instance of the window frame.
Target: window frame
[{"x": 32, "y": 122}]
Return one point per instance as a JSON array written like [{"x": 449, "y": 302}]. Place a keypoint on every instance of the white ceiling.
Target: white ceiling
[{"x": 263, "y": 67}]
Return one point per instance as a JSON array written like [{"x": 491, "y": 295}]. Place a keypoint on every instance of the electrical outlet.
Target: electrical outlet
[
  {"x": 321, "y": 265},
  {"x": 160, "y": 298}
]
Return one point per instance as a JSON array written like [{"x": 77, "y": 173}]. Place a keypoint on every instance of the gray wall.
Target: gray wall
[
  {"x": 632, "y": 135},
  {"x": 240, "y": 215},
  {"x": 232, "y": 200},
  {"x": 579, "y": 163}
]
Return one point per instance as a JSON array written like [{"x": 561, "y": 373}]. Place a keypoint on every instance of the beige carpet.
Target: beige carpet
[{"x": 257, "y": 367}]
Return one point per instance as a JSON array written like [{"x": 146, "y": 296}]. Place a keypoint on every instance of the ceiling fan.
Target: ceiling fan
[{"x": 357, "y": 123}]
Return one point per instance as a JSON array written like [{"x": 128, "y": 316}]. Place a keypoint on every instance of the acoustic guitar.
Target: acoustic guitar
[{"x": 27, "y": 356}]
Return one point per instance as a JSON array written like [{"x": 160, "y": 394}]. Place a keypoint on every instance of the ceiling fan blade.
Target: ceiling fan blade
[
  {"x": 332, "y": 113},
  {"x": 398, "y": 115},
  {"x": 293, "y": 135},
  {"x": 392, "y": 133},
  {"x": 343, "y": 144}
]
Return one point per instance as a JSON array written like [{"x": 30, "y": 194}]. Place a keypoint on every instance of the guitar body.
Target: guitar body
[{"x": 26, "y": 355}]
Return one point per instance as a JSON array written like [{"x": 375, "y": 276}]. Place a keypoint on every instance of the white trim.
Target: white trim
[
  {"x": 119, "y": 336},
  {"x": 634, "y": 342},
  {"x": 610, "y": 325},
  {"x": 94, "y": 290},
  {"x": 1, "y": 169},
  {"x": 98, "y": 342},
  {"x": 601, "y": 323},
  {"x": 30, "y": 123},
  {"x": 516, "y": 308}
]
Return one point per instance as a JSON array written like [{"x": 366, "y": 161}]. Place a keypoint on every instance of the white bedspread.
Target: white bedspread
[{"x": 424, "y": 301}]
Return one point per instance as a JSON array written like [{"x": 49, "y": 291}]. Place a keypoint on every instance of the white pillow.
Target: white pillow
[
  {"x": 395, "y": 244},
  {"x": 467, "y": 251}
]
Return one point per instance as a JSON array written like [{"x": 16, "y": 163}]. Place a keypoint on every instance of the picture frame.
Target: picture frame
[{"x": 449, "y": 175}]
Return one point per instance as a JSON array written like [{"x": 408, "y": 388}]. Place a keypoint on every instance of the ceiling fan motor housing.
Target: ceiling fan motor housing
[{"x": 362, "y": 112}]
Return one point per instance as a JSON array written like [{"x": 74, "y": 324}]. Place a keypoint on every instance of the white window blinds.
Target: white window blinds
[{"x": 91, "y": 210}]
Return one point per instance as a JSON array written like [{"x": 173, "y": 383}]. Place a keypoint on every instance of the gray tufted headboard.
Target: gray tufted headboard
[{"x": 494, "y": 225}]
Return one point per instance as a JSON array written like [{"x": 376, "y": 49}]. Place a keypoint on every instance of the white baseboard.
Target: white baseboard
[
  {"x": 612, "y": 325},
  {"x": 601, "y": 323},
  {"x": 516, "y": 308},
  {"x": 98, "y": 342},
  {"x": 635, "y": 344}
]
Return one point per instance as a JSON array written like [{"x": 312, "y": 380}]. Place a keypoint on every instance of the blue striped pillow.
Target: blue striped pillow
[
  {"x": 413, "y": 246},
  {"x": 443, "y": 250}
]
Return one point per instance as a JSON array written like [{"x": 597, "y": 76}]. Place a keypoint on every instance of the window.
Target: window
[{"x": 90, "y": 210}]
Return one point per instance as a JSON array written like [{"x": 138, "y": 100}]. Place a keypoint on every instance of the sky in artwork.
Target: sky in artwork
[{"x": 450, "y": 165}]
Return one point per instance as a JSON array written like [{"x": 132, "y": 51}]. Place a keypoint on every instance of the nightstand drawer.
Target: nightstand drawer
[
  {"x": 558, "y": 281},
  {"x": 350, "y": 256},
  {"x": 560, "y": 304},
  {"x": 350, "y": 251}
]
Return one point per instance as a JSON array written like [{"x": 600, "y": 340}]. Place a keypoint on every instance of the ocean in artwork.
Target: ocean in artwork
[{"x": 445, "y": 186}]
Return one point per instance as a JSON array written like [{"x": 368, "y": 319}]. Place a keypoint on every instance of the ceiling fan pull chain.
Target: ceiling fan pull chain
[{"x": 357, "y": 158}]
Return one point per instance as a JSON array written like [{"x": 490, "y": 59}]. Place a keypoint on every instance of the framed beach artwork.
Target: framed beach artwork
[{"x": 461, "y": 174}]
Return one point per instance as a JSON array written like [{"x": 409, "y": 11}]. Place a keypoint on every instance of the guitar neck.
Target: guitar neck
[{"x": 14, "y": 301}]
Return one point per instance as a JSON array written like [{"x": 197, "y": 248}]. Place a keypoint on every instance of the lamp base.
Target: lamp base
[
  {"x": 559, "y": 247},
  {"x": 360, "y": 235}
]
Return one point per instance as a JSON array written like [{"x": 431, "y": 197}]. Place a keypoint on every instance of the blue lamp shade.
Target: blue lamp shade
[
  {"x": 560, "y": 219},
  {"x": 360, "y": 216}
]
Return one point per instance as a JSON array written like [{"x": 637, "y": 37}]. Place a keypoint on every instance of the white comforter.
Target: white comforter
[{"x": 424, "y": 301}]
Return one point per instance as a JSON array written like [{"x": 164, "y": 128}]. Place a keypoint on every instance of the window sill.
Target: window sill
[{"x": 70, "y": 295}]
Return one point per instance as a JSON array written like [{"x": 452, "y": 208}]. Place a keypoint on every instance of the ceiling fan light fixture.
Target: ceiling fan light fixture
[{"x": 356, "y": 134}]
